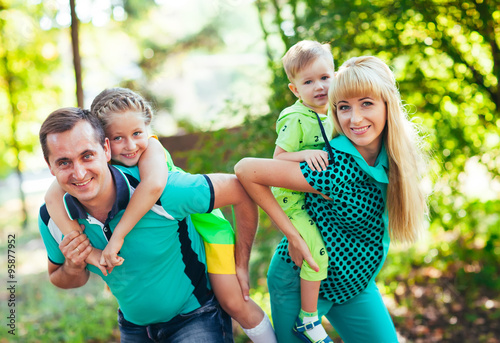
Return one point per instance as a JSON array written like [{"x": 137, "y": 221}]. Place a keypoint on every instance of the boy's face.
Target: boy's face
[{"x": 311, "y": 85}]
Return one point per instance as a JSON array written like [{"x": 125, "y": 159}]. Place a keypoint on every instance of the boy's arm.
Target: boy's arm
[
  {"x": 256, "y": 175},
  {"x": 316, "y": 159},
  {"x": 229, "y": 191},
  {"x": 154, "y": 172}
]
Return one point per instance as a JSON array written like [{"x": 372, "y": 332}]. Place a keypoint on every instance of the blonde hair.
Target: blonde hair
[
  {"x": 118, "y": 101},
  {"x": 361, "y": 76},
  {"x": 302, "y": 54}
]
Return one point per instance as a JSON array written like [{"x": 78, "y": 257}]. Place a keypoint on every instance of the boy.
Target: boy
[{"x": 309, "y": 66}]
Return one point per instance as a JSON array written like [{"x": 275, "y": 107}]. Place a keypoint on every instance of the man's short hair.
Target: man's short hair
[
  {"x": 303, "y": 54},
  {"x": 65, "y": 119}
]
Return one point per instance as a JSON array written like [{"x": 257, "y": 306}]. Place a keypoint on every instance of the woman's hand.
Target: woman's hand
[{"x": 299, "y": 251}]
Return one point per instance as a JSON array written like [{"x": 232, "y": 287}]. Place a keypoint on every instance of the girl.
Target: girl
[
  {"x": 126, "y": 118},
  {"x": 374, "y": 161}
]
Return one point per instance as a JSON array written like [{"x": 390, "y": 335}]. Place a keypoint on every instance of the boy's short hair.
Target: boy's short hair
[{"x": 304, "y": 53}]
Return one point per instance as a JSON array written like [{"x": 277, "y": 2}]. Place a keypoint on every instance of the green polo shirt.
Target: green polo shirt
[
  {"x": 354, "y": 224},
  {"x": 164, "y": 272},
  {"x": 298, "y": 129}
]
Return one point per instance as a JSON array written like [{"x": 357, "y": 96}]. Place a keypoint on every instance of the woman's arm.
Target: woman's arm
[
  {"x": 154, "y": 173},
  {"x": 256, "y": 175}
]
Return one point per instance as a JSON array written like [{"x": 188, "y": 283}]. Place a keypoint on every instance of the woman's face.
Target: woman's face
[{"x": 363, "y": 120}]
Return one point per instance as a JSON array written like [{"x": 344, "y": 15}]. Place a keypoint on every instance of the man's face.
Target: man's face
[{"x": 79, "y": 162}]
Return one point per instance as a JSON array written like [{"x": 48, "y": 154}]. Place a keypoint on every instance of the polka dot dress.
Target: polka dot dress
[{"x": 351, "y": 224}]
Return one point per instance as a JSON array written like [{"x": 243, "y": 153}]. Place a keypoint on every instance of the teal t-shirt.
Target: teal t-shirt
[
  {"x": 354, "y": 224},
  {"x": 164, "y": 272}
]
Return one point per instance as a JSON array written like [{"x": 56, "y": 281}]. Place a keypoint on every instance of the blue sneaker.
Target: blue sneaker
[{"x": 299, "y": 330}]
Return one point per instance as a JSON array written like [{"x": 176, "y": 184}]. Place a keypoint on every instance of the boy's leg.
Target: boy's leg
[
  {"x": 308, "y": 325},
  {"x": 363, "y": 319},
  {"x": 284, "y": 288}
]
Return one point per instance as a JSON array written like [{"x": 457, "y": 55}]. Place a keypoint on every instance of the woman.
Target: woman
[{"x": 369, "y": 193}]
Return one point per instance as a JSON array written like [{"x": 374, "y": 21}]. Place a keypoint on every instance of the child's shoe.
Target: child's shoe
[{"x": 311, "y": 331}]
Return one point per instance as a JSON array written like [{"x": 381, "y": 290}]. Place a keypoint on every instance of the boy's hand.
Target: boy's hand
[
  {"x": 109, "y": 257},
  {"x": 316, "y": 159}
]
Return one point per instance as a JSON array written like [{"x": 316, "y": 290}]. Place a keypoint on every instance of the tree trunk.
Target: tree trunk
[{"x": 76, "y": 54}]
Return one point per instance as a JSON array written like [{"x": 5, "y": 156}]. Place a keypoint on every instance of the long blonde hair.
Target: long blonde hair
[{"x": 406, "y": 201}]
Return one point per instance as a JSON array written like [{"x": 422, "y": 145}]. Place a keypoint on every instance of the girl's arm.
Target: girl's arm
[
  {"x": 316, "y": 159},
  {"x": 55, "y": 207},
  {"x": 154, "y": 173},
  {"x": 256, "y": 175}
]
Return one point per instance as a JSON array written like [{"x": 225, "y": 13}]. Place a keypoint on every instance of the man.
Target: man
[{"x": 162, "y": 288}]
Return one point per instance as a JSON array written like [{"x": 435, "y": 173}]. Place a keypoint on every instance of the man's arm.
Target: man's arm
[
  {"x": 228, "y": 191},
  {"x": 73, "y": 272}
]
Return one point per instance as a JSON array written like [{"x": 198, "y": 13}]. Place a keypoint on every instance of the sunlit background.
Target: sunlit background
[{"x": 209, "y": 66}]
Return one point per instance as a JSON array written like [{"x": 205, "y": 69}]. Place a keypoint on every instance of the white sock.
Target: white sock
[
  {"x": 316, "y": 333},
  {"x": 262, "y": 333}
]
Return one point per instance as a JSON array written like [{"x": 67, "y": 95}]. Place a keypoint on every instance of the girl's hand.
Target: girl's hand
[
  {"x": 94, "y": 259},
  {"x": 299, "y": 251},
  {"x": 316, "y": 159},
  {"x": 109, "y": 257}
]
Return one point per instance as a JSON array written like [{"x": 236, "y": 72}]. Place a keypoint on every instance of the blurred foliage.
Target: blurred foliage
[
  {"x": 26, "y": 57},
  {"x": 446, "y": 58}
]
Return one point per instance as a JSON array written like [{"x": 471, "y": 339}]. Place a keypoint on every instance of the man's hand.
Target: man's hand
[
  {"x": 76, "y": 248},
  {"x": 72, "y": 273},
  {"x": 244, "y": 280}
]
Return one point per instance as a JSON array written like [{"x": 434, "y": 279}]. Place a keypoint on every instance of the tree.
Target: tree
[
  {"x": 26, "y": 56},
  {"x": 75, "y": 44},
  {"x": 446, "y": 57}
]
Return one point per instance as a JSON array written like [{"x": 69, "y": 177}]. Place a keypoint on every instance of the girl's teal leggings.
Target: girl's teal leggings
[{"x": 363, "y": 318}]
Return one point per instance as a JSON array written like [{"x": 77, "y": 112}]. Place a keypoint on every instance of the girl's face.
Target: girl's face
[
  {"x": 363, "y": 120},
  {"x": 128, "y": 136}
]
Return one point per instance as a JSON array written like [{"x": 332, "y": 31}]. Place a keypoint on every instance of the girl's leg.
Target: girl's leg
[
  {"x": 248, "y": 314},
  {"x": 363, "y": 319}
]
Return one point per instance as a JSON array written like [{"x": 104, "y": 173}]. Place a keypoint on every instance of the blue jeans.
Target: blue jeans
[{"x": 207, "y": 324}]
